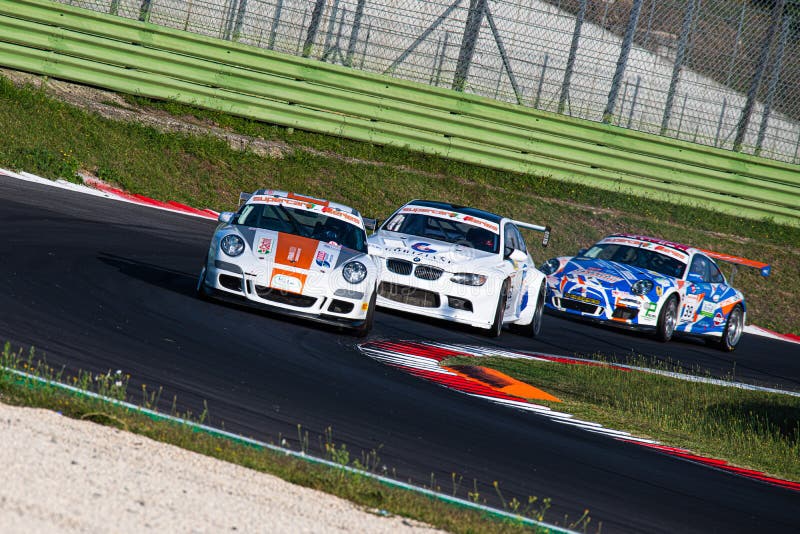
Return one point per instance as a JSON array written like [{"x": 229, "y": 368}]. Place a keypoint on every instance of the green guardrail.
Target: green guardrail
[{"x": 133, "y": 57}]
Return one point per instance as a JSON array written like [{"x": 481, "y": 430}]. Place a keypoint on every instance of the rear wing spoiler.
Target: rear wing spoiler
[
  {"x": 244, "y": 197},
  {"x": 536, "y": 228},
  {"x": 763, "y": 268}
]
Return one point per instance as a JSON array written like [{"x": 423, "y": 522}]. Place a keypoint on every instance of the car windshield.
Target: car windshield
[
  {"x": 448, "y": 230},
  {"x": 304, "y": 223},
  {"x": 638, "y": 257}
]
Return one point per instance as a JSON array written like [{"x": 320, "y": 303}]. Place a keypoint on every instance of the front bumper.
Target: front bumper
[
  {"x": 596, "y": 306},
  {"x": 330, "y": 305},
  {"x": 439, "y": 298}
]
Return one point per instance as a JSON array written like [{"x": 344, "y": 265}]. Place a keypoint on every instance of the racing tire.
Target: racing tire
[
  {"x": 667, "y": 319},
  {"x": 734, "y": 327},
  {"x": 364, "y": 329},
  {"x": 200, "y": 290},
  {"x": 534, "y": 328},
  {"x": 497, "y": 324}
]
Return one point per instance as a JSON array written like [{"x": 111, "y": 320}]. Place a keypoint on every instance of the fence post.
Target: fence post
[
  {"x": 471, "y": 30},
  {"x": 736, "y": 41},
  {"x": 144, "y": 10},
  {"x": 435, "y": 24},
  {"x": 622, "y": 62},
  {"x": 441, "y": 58},
  {"x": 747, "y": 110},
  {"x": 276, "y": 20},
  {"x": 237, "y": 29},
  {"x": 506, "y": 63},
  {"x": 719, "y": 122},
  {"x": 777, "y": 65},
  {"x": 676, "y": 68},
  {"x": 351, "y": 46},
  {"x": 331, "y": 24},
  {"x": 541, "y": 82},
  {"x": 573, "y": 52},
  {"x": 313, "y": 27},
  {"x": 633, "y": 103}
]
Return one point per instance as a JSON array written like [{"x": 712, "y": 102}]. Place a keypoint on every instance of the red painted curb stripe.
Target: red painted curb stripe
[{"x": 719, "y": 464}]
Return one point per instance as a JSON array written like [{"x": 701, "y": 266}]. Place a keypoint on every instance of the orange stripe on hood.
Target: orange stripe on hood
[{"x": 295, "y": 251}]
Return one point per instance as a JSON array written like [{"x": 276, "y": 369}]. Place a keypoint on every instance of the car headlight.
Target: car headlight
[
  {"x": 642, "y": 287},
  {"x": 550, "y": 266},
  {"x": 354, "y": 272},
  {"x": 232, "y": 245},
  {"x": 468, "y": 279}
]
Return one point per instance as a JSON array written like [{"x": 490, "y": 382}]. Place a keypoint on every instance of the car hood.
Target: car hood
[
  {"x": 607, "y": 273},
  {"x": 282, "y": 249},
  {"x": 431, "y": 251}
]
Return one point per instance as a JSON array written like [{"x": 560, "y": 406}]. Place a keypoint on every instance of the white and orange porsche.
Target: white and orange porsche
[{"x": 297, "y": 255}]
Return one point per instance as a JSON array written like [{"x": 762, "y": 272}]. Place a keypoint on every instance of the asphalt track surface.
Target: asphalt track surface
[{"x": 100, "y": 285}]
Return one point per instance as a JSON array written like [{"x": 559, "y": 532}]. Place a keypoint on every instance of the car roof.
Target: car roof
[
  {"x": 475, "y": 212},
  {"x": 306, "y": 198},
  {"x": 677, "y": 246}
]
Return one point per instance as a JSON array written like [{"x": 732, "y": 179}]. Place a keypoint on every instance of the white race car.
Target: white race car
[
  {"x": 460, "y": 264},
  {"x": 298, "y": 255}
]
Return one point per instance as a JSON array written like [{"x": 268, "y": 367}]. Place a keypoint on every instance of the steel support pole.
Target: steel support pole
[
  {"x": 506, "y": 63},
  {"x": 237, "y": 29},
  {"x": 541, "y": 82},
  {"x": 752, "y": 94},
  {"x": 441, "y": 58},
  {"x": 144, "y": 10},
  {"x": 736, "y": 42},
  {"x": 351, "y": 46},
  {"x": 313, "y": 27},
  {"x": 777, "y": 65},
  {"x": 678, "y": 66},
  {"x": 719, "y": 122},
  {"x": 633, "y": 103},
  {"x": 229, "y": 18},
  {"x": 276, "y": 20},
  {"x": 331, "y": 24},
  {"x": 573, "y": 52},
  {"x": 472, "y": 28},
  {"x": 435, "y": 24},
  {"x": 622, "y": 61}
]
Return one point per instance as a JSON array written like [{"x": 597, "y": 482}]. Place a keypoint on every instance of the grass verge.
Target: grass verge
[
  {"x": 48, "y": 137},
  {"x": 37, "y": 387},
  {"x": 752, "y": 429}
]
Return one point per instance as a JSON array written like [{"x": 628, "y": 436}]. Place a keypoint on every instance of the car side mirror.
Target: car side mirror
[
  {"x": 581, "y": 251},
  {"x": 695, "y": 278},
  {"x": 226, "y": 217},
  {"x": 517, "y": 255},
  {"x": 370, "y": 224}
]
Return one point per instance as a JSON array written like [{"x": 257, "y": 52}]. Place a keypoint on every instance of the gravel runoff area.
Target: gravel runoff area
[{"x": 64, "y": 475}]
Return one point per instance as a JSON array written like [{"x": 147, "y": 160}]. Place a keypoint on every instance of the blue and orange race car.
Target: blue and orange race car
[{"x": 645, "y": 283}]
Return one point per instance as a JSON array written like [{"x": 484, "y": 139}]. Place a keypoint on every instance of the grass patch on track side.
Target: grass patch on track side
[
  {"x": 753, "y": 429},
  {"x": 54, "y": 139}
]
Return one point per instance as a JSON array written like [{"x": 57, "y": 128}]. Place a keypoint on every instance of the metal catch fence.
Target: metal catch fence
[{"x": 724, "y": 73}]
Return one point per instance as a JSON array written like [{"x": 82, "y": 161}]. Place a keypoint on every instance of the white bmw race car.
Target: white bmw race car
[
  {"x": 298, "y": 255},
  {"x": 460, "y": 264}
]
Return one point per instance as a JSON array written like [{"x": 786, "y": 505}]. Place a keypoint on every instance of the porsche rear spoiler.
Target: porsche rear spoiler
[
  {"x": 763, "y": 268},
  {"x": 536, "y": 228},
  {"x": 244, "y": 197}
]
